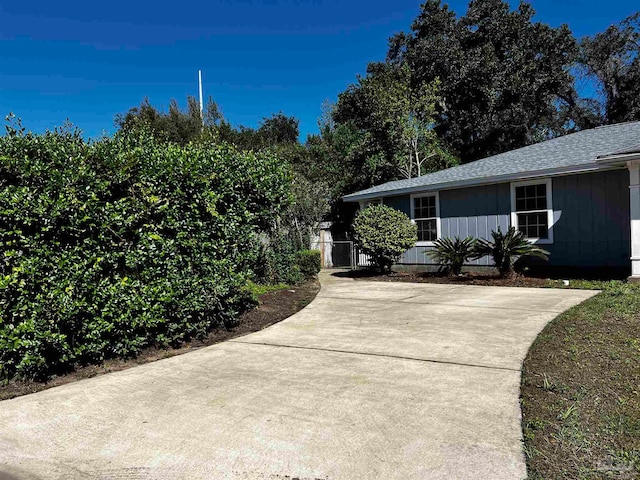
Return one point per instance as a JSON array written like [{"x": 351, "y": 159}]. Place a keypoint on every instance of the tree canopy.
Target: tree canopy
[
  {"x": 176, "y": 125},
  {"x": 502, "y": 75},
  {"x": 452, "y": 88},
  {"x": 612, "y": 60},
  {"x": 395, "y": 121}
]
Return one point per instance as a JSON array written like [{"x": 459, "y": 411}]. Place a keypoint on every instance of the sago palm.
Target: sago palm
[
  {"x": 506, "y": 248},
  {"x": 453, "y": 253}
]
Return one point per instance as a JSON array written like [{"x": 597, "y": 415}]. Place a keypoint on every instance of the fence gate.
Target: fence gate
[
  {"x": 335, "y": 254},
  {"x": 340, "y": 254}
]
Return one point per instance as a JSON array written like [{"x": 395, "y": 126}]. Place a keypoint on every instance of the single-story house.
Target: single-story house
[{"x": 578, "y": 196}]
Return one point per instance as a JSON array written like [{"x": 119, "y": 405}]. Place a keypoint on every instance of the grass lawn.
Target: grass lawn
[{"x": 580, "y": 390}]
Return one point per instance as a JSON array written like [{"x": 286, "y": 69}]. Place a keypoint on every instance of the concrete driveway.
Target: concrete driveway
[{"x": 371, "y": 381}]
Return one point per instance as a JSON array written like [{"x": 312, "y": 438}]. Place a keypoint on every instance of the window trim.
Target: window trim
[
  {"x": 437, "y": 217},
  {"x": 514, "y": 212}
]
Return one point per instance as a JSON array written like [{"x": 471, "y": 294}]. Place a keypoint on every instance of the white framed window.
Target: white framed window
[
  {"x": 367, "y": 203},
  {"x": 425, "y": 213},
  {"x": 532, "y": 209}
]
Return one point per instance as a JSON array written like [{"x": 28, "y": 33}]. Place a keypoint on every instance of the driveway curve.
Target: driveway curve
[{"x": 372, "y": 380}]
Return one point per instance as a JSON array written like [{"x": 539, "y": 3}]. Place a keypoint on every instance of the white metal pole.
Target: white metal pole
[{"x": 200, "y": 88}]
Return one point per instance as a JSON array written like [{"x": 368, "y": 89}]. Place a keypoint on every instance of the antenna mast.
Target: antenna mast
[{"x": 200, "y": 88}]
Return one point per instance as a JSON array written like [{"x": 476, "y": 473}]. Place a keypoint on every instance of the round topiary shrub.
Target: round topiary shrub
[{"x": 384, "y": 233}]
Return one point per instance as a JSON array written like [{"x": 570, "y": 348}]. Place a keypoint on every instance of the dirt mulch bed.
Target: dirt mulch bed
[
  {"x": 273, "y": 307},
  {"x": 464, "y": 279},
  {"x": 580, "y": 391}
]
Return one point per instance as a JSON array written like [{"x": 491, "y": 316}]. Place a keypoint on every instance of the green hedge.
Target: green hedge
[
  {"x": 110, "y": 247},
  {"x": 309, "y": 262},
  {"x": 277, "y": 261},
  {"x": 384, "y": 233}
]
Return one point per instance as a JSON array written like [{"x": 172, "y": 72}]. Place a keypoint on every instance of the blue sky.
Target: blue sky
[{"x": 88, "y": 61}]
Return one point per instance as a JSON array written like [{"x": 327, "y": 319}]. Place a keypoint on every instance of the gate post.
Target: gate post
[{"x": 353, "y": 256}]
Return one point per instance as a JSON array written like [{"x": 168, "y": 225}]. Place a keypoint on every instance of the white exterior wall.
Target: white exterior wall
[{"x": 634, "y": 199}]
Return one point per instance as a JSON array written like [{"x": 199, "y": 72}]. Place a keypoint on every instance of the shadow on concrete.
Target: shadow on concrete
[{"x": 16, "y": 476}]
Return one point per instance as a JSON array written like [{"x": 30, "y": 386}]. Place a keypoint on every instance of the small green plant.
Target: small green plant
[
  {"x": 309, "y": 262},
  {"x": 506, "y": 248},
  {"x": 384, "y": 233},
  {"x": 453, "y": 253},
  {"x": 257, "y": 289},
  {"x": 567, "y": 413},
  {"x": 547, "y": 384}
]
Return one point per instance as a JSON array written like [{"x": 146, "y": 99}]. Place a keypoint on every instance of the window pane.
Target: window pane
[
  {"x": 530, "y": 191},
  {"x": 534, "y": 225},
  {"x": 427, "y": 230},
  {"x": 531, "y": 197},
  {"x": 425, "y": 207},
  {"x": 430, "y": 201},
  {"x": 541, "y": 200}
]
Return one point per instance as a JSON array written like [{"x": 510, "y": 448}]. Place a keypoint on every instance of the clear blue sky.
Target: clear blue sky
[{"x": 88, "y": 61}]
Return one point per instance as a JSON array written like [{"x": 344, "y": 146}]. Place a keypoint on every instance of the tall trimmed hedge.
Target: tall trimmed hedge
[{"x": 109, "y": 247}]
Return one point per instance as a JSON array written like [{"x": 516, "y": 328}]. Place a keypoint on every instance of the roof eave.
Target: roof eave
[
  {"x": 619, "y": 160},
  {"x": 356, "y": 197}
]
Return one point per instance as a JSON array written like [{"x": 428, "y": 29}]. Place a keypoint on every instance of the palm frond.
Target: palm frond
[
  {"x": 506, "y": 248},
  {"x": 452, "y": 253}
]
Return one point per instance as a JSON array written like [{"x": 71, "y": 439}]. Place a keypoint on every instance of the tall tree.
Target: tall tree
[
  {"x": 395, "y": 119},
  {"x": 612, "y": 59},
  {"x": 176, "y": 125},
  {"x": 503, "y": 76},
  {"x": 277, "y": 129}
]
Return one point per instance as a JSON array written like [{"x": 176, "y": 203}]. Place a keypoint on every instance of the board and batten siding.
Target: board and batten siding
[
  {"x": 591, "y": 218},
  {"x": 474, "y": 211},
  {"x": 399, "y": 202}
]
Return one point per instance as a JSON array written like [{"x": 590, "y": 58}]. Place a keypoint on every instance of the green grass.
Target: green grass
[
  {"x": 258, "y": 289},
  {"x": 581, "y": 389},
  {"x": 589, "y": 284}
]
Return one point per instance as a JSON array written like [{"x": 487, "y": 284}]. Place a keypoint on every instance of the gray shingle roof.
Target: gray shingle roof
[
  {"x": 626, "y": 151},
  {"x": 579, "y": 150}
]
